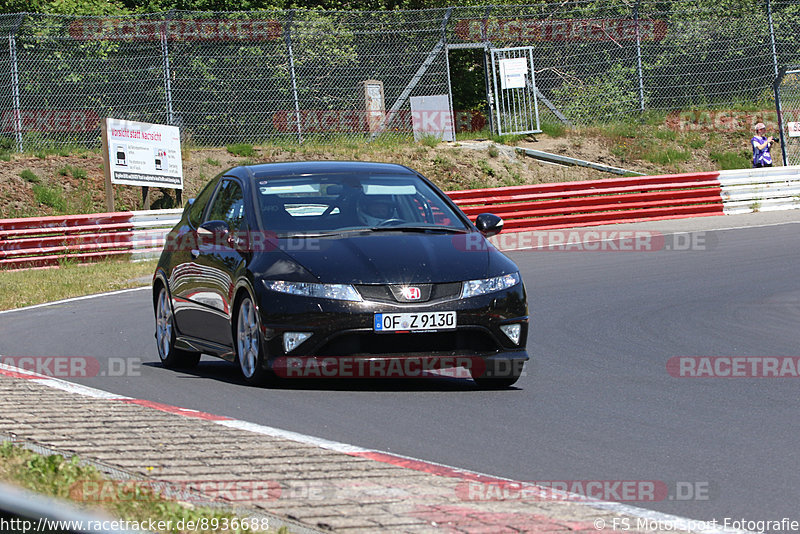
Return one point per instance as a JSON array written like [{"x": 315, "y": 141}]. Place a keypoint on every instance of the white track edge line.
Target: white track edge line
[
  {"x": 293, "y": 436},
  {"x": 63, "y": 385},
  {"x": 75, "y": 299}
]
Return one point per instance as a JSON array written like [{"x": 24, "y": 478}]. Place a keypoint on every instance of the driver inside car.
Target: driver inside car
[{"x": 375, "y": 209}]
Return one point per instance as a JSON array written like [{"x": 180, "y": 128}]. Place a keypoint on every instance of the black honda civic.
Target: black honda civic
[{"x": 338, "y": 269}]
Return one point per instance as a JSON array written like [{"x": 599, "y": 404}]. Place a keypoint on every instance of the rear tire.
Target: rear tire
[
  {"x": 249, "y": 351},
  {"x": 171, "y": 357}
]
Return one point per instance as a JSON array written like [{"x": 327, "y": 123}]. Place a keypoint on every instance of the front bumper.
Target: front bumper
[{"x": 343, "y": 331}]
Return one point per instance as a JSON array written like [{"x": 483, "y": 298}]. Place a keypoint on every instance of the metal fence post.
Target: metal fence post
[
  {"x": 449, "y": 82},
  {"x": 639, "y": 56},
  {"x": 288, "y": 37},
  {"x": 776, "y": 87},
  {"x": 165, "y": 56},
  {"x": 486, "y": 46},
  {"x": 772, "y": 38},
  {"x": 12, "y": 50}
]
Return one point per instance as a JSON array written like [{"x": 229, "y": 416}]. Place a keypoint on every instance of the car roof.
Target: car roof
[{"x": 296, "y": 168}]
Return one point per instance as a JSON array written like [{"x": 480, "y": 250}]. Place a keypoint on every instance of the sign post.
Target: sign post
[
  {"x": 374, "y": 104},
  {"x": 141, "y": 154}
]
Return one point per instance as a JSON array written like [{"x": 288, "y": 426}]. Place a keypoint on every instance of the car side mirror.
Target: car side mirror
[
  {"x": 489, "y": 224},
  {"x": 215, "y": 231}
]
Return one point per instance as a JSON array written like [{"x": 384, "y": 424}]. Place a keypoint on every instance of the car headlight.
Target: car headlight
[
  {"x": 473, "y": 288},
  {"x": 323, "y": 291}
]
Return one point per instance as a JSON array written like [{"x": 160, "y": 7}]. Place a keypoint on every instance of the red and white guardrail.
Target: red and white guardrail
[
  {"x": 589, "y": 203},
  {"x": 749, "y": 190},
  {"x": 45, "y": 241}
]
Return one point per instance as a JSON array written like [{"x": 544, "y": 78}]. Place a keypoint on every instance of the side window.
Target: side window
[
  {"x": 228, "y": 205},
  {"x": 196, "y": 211}
]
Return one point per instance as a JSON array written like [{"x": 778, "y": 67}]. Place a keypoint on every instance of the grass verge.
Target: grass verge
[
  {"x": 29, "y": 287},
  {"x": 133, "y": 501}
]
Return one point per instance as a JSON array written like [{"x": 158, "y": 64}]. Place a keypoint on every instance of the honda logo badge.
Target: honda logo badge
[{"x": 411, "y": 293}]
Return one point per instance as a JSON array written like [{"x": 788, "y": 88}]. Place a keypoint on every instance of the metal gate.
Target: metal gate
[
  {"x": 515, "y": 106},
  {"x": 787, "y": 103}
]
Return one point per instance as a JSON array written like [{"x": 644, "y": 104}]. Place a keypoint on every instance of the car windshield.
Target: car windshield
[{"x": 324, "y": 204}]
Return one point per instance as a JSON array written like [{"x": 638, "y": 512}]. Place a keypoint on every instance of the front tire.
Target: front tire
[
  {"x": 171, "y": 357},
  {"x": 249, "y": 352}
]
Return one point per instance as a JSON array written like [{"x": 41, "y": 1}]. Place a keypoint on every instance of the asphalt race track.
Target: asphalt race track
[{"x": 597, "y": 403}]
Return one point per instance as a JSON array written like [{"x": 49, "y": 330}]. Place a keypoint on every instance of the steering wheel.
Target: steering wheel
[
  {"x": 329, "y": 210},
  {"x": 390, "y": 222}
]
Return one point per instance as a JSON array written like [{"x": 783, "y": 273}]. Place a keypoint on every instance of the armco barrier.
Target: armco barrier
[
  {"x": 589, "y": 203},
  {"x": 45, "y": 241},
  {"x": 749, "y": 190}
]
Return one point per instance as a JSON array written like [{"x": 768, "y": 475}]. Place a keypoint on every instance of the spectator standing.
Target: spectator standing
[{"x": 761, "y": 144}]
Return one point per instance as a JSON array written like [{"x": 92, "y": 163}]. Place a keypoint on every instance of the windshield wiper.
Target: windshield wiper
[{"x": 430, "y": 228}]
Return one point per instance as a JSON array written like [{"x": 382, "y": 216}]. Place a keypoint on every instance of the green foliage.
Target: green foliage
[
  {"x": 731, "y": 160},
  {"x": 483, "y": 165},
  {"x": 29, "y": 176},
  {"x": 514, "y": 177},
  {"x": 553, "y": 129},
  {"x": 507, "y": 139},
  {"x": 430, "y": 140},
  {"x": 76, "y": 172},
  {"x": 603, "y": 96},
  {"x": 653, "y": 117},
  {"x": 466, "y": 66},
  {"x": 668, "y": 156},
  {"x": 242, "y": 150},
  {"x": 493, "y": 151},
  {"x": 696, "y": 141},
  {"x": 665, "y": 135},
  {"x": 131, "y": 500},
  {"x": 620, "y": 129},
  {"x": 442, "y": 161},
  {"x": 50, "y": 196},
  {"x": 75, "y": 7},
  {"x": 212, "y": 161}
]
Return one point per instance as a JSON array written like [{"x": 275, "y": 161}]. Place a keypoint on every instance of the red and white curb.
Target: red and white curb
[{"x": 415, "y": 464}]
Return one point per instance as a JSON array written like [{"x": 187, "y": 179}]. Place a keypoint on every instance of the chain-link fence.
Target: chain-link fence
[
  {"x": 297, "y": 75},
  {"x": 787, "y": 95}
]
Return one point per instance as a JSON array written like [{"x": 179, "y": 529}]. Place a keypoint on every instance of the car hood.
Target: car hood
[{"x": 393, "y": 257}]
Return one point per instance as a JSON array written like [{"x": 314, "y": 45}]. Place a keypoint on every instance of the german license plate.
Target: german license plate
[{"x": 415, "y": 321}]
